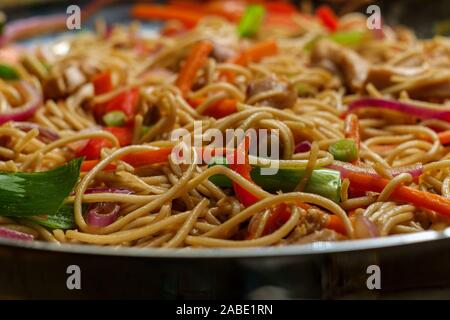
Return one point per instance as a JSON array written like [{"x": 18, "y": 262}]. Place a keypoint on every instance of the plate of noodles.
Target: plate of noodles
[{"x": 126, "y": 140}]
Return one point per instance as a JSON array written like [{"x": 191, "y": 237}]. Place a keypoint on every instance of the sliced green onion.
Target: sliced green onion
[
  {"x": 251, "y": 20},
  {"x": 220, "y": 179},
  {"x": 64, "y": 219},
  {"x": 344, "y": 150},
  {"x": 347, "y": 38},
  {"x": 324, "y": 182},
  {"x": 37, "y": 193},
  {"x": 144, "y": 130},
  {"x": 114, "y": 118},
  {"x": 8, "y": 73},
  {"x": 304, "y": 89}
]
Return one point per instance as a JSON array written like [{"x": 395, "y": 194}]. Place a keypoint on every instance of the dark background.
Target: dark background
[{"x": 421, "y": 15}]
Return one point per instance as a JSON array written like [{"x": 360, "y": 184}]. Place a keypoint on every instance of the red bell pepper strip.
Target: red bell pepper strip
[
  {"x": 328, "y": 17},
  {"x": 280, "y": 7},
  {"x": 194, "y": 62},
  {"x": 102, "y": 82},
  {"x": 94, "y": 146},
  {"x": 123, "y": 134},
  {"x": 277, "y": 217},
  {"x": 126, "y": 102},
  {"x": 244, "y": 169}
]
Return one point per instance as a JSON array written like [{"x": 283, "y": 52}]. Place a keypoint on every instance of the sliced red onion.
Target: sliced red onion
[
  {"x": 345, "y": 168},
  {"x": 102, "y": 214},
  {"x": 108, "y": 190},
  {"x": 33, "y": 101},
  {"x": 30, "y": 26},
  {"x": 14, "y": 234},
  {"x": 364, "y": 228},
  {"x": 45, "y": 134},
  {"x": 303, "y": 146},
  {"x": 410, "y": 109}
]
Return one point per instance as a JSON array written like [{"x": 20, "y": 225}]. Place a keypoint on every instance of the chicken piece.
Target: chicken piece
[
  {"x": 285, "y": 99},
  {"x": 350, "y": 65},
  {"x": 380, "y": 76},
  {"x": 321, "y": 235}
]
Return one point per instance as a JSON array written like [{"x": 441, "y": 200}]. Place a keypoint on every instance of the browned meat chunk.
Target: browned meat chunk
[
  {"x": 285, "y": 98},
  {"x": 439, "y": 90},
  {"x": 380, "y": 76},
  {"x": 352, "y": 67},
  {"x": 321, "y": 235}
]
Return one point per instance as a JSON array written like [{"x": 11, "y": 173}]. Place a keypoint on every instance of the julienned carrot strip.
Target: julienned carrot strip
[
  {"x": 256, "y": 52},
  {"x": 154, "y": 12},
  {"x": 422, "y": 199},
  {"x": 219, "y": 109},
  {"x": 252, "y": 54},
  {"x": 160, "y": 155},
  {"x": 281, "y": 20},
  {"x": 135, "y": 159},
  {"x": 335, "y": 223},
  {"x": 444, "y": 137},
  {"x": 88, "y": 165},
  {"x": 194, "y": 62},
  {"x": 352, "y": 128},
  {"x": 147, "y": 157}
]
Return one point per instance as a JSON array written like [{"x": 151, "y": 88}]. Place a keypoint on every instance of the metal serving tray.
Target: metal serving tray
[
  {"x": 411, "y": 266},
  {"x": 414, "y": 265}
]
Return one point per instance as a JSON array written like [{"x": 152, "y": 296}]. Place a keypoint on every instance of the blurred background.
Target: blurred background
[{"x": 424, "y": 16}]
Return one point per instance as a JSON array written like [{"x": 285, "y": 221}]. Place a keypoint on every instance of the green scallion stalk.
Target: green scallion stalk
[
  {"x": 251, "y": 20},
  {"x": 37, "y": 193},
  {"x": 144, "y": 130},
  {"x": 344, "y": 150},
  {"x": 345, "y": 38},
  {"x": 8, "y": 73},
  {"x": 324, "y": 182},
  {"x": 114, "y": 118},
  {"x": 220, "y": 179}
]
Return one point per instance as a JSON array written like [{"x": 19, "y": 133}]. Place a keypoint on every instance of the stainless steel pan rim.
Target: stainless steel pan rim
[{"x": 315, "y": 248}]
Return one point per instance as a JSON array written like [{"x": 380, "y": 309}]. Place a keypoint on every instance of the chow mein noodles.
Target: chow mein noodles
[{"x": 358, "y": 119}]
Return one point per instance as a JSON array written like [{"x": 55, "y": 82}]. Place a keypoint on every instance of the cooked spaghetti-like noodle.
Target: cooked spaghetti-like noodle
[{"x": 299, "y": 94}]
